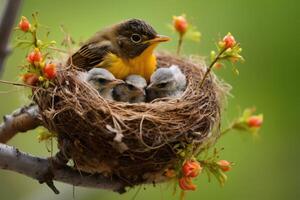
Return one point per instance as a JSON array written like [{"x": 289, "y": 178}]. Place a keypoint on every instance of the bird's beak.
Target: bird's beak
[
  {"x": 143, "y": 91},
  {"x": 149, "y": 86},
  {"x": 158, "y": 39},
  {"x": 116, "y": 82}
]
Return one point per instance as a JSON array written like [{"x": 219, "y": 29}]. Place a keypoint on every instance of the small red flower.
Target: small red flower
[
  {"x": 24, "y": 24},
  {"x": 35, "y": 56},
  {"x": 191, "y": 168},
  {"x": 180, "y": 24},
  {"x": 30, "y": 79},
  {"x": 218, "y": 65},
  {"x": 185, "y": 183},
  {"x": 229, "y": 41},
  {"x": 224, "y": 165},
  {"x": 50, "y": 71},
  {"x": 255, "y": 121}
]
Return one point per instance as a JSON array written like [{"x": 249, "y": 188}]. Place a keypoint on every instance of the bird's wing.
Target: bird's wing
[{"x": 91, "y": 54}]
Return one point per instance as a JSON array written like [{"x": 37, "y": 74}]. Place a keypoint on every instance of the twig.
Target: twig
[
  {"x": 179, "y": 44},
  {"x": 35, "y": 167},
  {"x": 17, "y": 84},
  {"x": 6, "y": 26},
  {"x": 211, "y": 65},
  {"x": 21, "y": 120}
]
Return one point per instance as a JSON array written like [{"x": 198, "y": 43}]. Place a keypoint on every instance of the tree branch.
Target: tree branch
[
  {"x": 35, "y": 167},
  {"x": 21, "y": 120},
  {"x": 6, "y": 25}
]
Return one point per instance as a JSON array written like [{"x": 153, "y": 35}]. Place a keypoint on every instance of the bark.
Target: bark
[{"x": 35, "y": 167}]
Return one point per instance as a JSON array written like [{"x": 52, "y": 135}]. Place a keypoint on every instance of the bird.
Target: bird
[
  {"x": 132, "y": 91},
  {"x": 166, "y": 82},
  {"x": 123, "y": 49},
  {"x": 103, "y": 81}
]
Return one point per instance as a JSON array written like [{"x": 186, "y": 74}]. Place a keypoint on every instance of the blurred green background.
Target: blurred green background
[{"x": 267, "y": 167}]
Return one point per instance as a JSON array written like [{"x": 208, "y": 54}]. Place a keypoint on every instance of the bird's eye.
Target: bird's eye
[
  {"x": 101, "y": 80},
  {"x": 162, "y": 85},
  {"x": 131, "y": 87},
  {"x": 136, "y": 38}
]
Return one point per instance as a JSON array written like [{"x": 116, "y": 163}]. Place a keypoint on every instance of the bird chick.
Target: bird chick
[
  {"x": 132, "y": 91},
  {"x": 166, "y": 82},
  {"x": 103, "y": 81}
]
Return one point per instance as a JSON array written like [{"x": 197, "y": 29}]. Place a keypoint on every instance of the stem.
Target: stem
[
  {"x": 223, "y": 132},
  {"x": 211, "y": 65},
  {"x": 179, "y": 43},
  {"x": 17, "y": 84}
]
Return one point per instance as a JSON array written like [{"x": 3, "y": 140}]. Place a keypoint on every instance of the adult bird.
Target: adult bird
[
  {"x": 103, "y": 81},
  {"x": 166, "y": 82},
  {"x": 123, "y": 49},
  {"x": 132, "y": 91}
]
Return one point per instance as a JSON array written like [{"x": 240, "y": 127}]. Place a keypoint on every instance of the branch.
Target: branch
[
  {"x": 6, "y": 26},
  {"x": 35, "y": 167},
  {"x": 21, "y": 120}
]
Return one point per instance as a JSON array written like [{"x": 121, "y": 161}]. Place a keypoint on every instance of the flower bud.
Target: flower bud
[
  {"x": 35, "y": 56},
  {"x": 255, "y": 121},
  {"x": 191, "y": 168},
  {"x": 24, "y": 24},
  {"x": 185, "y": 183},
  {"x": 30, "y": 79},
  {"x": 224, "y": 165},
  {"x": 218, "y": 65},
  {"x": 180, "y": 24},
  {"x": 50, "y": 71},
  {"x": 229, "y": 41},
  {"x": 170, "y": 173}
]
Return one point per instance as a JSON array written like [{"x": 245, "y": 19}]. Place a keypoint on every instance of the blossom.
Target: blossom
[{"x": 24, "y": 24}]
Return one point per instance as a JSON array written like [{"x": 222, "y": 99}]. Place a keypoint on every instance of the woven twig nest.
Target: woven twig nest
[{"x": 134, "y": 142}]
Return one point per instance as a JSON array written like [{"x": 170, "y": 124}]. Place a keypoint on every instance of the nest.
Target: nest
[{"x": 134, "y": 142}]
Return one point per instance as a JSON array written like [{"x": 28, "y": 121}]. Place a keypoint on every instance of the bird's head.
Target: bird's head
[
  {"x": 136, "y": 84},
  {"x": 102, "y": 79},
  {"x": 134, "y": 36},
  {"x": 133, "y": 90},
  {"x": 167, "y": 79},
  {"x": 163, "y": 80}
]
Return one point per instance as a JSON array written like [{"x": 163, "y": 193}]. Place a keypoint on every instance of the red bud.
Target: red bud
[
  {"x": 35, "y": 56},
  {"x": 180, "y": 24},
  {"x": 191, "y": 168},
  {"x": 30, "y": 79},
  {"x": 229, "y": 41},
  {"x": 24, "y": 24},
  {"x": 185, "y": 183},
  {"x": 224, "y": 165},
  {"x": 255, "y": 121},
  {"x": 50, "y": 71}
]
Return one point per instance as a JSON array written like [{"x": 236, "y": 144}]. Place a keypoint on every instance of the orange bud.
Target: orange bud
[
  {"x": 170, "y": 173},
  {"x": 30, "y": 79},
  {"x": 185, "y": 183},
  {"x": 218, "y": 65},
  {"x": 35, "y": 56},
  {"x": 50, "y": 71},
  {"x": 224, "y": 165},
  {"x": 180, "y": 24},
  {"x": 24, "y": 24},
  {"x": 229, "y": 41},
  {"x": 255, "y": 121},
  {"x": 191, "y": 168}
]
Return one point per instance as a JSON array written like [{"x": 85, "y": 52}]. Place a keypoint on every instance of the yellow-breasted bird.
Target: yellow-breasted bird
[{"x": 123, "y": 49}]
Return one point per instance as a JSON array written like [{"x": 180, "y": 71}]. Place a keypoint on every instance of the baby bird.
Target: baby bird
[
  {"x": 166, "y": 82},
  {"x": 132, "y": 91},
  {"x": 103, "y": 81}
]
